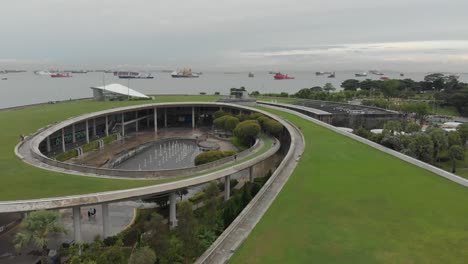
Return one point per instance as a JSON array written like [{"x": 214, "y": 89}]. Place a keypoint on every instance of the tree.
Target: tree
[
  {"x": 329, "y": 87},
  {"x": 303, "y": 93},
  {"x": 247, "y": 131},
  {"x": 412, "y": 127},
  {"x": 219, "y": 113},
  {"x": 182, "y": 192},
  {"x": 187, "y": 230},
  {"x": 220, "y": 121},
  {"x": 463, "y": 132},
  {"x": 230, "y": 123},
  {"x": 393, "y": 126},
  {"x": 36, "y": 228},
  {"x": 390, "y": 88},
  {"x": 157, "y": 234},
  {"x": 440, "y": 141},
  {"x": 113, "y": 255},
  {"x": 273, "y": 127},
  {"x": 174, "y": 255},
  {"x": 454, "y": 138},
  {"x": 350, "y": 84},
  {"x": 456, "y": 152},
  {"x": 255, "y": 93},
  {"x": 422, "y": 147},
  {"x": 211, "y": 217},
  {"x": 143, "y": 255}
]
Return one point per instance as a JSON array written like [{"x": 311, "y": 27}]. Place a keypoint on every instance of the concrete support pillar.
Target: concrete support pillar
[
  {"x": 87, "y": 131},
  {"x": 227, "y": 187},
  {"x": 63, "y": 140},
  {"x": 147, "y": 119},
  {"x": 77, "y": 224},
  {"x": 172, "y": 210},
  {"x": 48, "y": 144},
  {"x": 193, "y": 117},
  {"x": 251, "y": 174},
  {"x": 155, "y": 119},
  {"x": 123, "y": 126},
  {"x": 136, "y": 122},
  {"x": 94, "y": 127},
  {"x": 107, "y": 126},
  {"x": 165, "y": 117},
  {"x": 73, "y": 134},
  {"x": 105, "y": 220}
]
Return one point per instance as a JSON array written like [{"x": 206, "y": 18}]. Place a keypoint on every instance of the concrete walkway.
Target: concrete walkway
[{"x": 225, "y": 246}]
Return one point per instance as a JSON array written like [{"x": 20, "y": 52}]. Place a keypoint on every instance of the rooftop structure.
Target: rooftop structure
[{"x": 115, "y": 91}]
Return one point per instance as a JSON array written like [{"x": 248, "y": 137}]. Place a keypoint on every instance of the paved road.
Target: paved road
[{"x": 225, "y": 246}]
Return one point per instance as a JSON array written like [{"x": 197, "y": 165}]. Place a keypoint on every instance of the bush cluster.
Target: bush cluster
[{"x": 212, "y": 155}]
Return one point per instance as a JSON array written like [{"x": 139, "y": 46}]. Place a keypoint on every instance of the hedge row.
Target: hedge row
[
  {"x": 212, "y": 155},
  {"x": 67, "y": 155}
]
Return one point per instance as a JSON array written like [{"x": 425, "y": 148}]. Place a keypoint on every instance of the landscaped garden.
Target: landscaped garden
[{"x": 347, "y": 202}]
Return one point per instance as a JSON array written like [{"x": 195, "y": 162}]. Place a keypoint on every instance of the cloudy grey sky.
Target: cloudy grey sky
[{"x": 418, "y": 35}]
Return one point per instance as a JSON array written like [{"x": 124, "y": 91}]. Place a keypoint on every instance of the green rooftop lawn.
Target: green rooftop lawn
[
  {"x": 349, "y": 203},
  {"x": 22, "y": 181}
]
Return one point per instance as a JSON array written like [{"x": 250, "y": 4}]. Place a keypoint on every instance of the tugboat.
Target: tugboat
[
  {"x": 185, "y": 73},
  {"x": 61, "y": 75},
  {"x": 251, "y": 75},
  {"x": 332, "y": 75},
  {"x": 280, "y": 76}
]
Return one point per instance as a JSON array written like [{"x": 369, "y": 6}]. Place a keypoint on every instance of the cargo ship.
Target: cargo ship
[
  {"x": 185, "y": 73},
  {"x": 280, "y": 76},
  {"x": 61, "y": 75},
  {"x": 132, "y": 75}
]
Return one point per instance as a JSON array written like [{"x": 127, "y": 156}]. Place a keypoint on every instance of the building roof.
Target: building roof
[{"x": 120, "y": 89}]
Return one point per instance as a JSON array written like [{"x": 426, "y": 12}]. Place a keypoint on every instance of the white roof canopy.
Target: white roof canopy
[{"x": 120, "y": 89}]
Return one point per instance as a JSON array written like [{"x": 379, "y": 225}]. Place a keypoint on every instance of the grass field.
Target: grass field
[
  {"x": 22, "y": 181},
  {"x": 349, "y": 203}
]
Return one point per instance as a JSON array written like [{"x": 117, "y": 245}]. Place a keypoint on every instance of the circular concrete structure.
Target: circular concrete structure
[
  {"x": 29, "y": 152},
  {"x": 69, "y": 135}
]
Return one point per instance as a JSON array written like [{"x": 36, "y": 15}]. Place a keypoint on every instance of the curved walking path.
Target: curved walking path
[{"x": 226, "y": 244}]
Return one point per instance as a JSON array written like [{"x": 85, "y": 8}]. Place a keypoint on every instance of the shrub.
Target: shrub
[
  {"x": 230, "y": 123},
  {"x": 273, "y": 127},
  {"x": 247, "y": 131},
  {"x": 198, "y": 197},
  {"x": 219, "y": 113},
  {"x": 219, "y": 122},
  {"x": 67, "y": 155},
  {"x": 110, "y": 138},
  {"x": 90, "y": 146},
  {"x": 212, "y": 155}
]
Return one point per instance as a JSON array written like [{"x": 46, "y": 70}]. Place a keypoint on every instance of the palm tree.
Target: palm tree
[{"x": 36, "y": 228}]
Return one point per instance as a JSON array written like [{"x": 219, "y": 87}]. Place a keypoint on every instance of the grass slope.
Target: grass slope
[
  {"x": 22, "y": 181},
  {"x": 349, "y": 203}
]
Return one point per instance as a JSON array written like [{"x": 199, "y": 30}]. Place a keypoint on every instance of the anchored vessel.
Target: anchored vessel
[
  {"x": 132, "y": 75},
  {"x": 364, "y": 74},
  {"x": 280, "y": 76},
  {"x": 185, "y": 73},
  {"x": 61, "y": 75}
]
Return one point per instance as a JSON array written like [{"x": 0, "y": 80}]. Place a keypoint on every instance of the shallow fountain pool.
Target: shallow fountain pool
[{"x": 163, "y": 155}]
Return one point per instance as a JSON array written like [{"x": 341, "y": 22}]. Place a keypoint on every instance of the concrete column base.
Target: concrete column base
[
  {"x": 77, "y": 224},
  {"x": 227, "y": 187},
  {"x": 105, "y": 220},
  {"x": 172, "y": 210}
]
